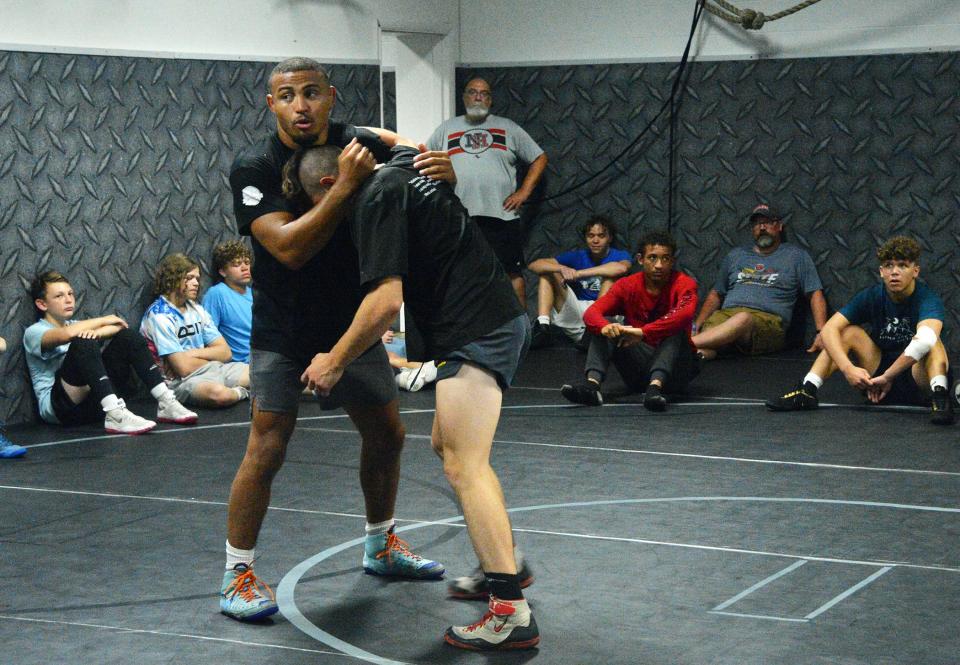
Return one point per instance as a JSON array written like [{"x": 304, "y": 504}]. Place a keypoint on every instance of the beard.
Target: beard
[
  {"x": 304, "y": 140},
  {"x": 477, "y": 113},
  {"x": 765, "y": 241}
]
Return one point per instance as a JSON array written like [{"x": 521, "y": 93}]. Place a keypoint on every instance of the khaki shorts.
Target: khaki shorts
[
  {"x": 570, "y": 317},
  {"x": 768, "y": 333},
  {"x": 226, "y": 374}
]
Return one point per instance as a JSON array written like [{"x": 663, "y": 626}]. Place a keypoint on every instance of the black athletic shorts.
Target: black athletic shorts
[
  {"x": 904, "y": 389},
  {"x": 505, "y": 236},
  {"x": 499, "y": 351},
  {"x": 275, "y": 381}
]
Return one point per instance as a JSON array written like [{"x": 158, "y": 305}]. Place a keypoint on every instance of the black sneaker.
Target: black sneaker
[
  {"x": 540, "y": 336},
  {"x": 653, "y": 399},
  {"x": 801, "y": 399},
  {"x": 475, "y": 587},
  {"x": 587, "y": 393},
  {"x": 941, "y": 407},
  {"x": 508, "y": 624}
]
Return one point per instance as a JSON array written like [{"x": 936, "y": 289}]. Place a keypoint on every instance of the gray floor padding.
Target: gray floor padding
[{"x": 713, "y": 533}]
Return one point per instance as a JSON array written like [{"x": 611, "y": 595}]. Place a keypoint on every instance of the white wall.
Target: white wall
[
  {"x": 329, "y": 30},
  {"x": 515, "y": 32},
  {"x": 491, "y": 31}
]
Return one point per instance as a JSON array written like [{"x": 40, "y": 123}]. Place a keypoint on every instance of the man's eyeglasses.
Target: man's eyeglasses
[{"x": 482, "y": 94}]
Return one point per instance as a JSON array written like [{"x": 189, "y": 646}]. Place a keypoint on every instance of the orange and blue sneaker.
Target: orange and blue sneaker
[
  {"x": 244, "y": 597},
  {"x": 508, "y": 624},
  {"x": 388, "y": 556}
]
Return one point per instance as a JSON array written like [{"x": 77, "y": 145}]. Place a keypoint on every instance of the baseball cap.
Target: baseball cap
[{"x": 764, "y": 210}]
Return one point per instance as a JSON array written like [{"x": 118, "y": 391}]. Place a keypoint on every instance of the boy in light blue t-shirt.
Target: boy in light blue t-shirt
[
  {"x": 73, "y": 376},
  {"x": 229, "y": 302}
]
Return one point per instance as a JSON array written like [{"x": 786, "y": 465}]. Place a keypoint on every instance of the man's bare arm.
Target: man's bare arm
[
  {"x": 434, "y": 164},
  {"x": 818, "y": 307},
  {"x": 534, "y": 173},
  {"x": 293, "y": 242},
  {"x": 54, "y": 337},
  {"x": 610, "y": 269},
  {"x": 544, "y": 266},
  {"x": 377, "y": 311},
  {"x": 710, "y": 305}
]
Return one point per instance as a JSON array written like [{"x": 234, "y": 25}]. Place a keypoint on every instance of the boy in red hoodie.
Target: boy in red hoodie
[{"x": 651, "y": 348}]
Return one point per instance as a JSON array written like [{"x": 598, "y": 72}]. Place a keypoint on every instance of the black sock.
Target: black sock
[{"x": 504, "y": 586}]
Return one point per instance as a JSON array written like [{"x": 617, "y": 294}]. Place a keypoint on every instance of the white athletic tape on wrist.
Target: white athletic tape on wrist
[{"x": 921, "y": 343}]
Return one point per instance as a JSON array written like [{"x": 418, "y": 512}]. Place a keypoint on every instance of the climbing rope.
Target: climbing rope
[{"x": 750, "y": 19}]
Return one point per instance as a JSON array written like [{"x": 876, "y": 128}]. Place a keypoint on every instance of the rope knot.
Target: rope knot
[{"x": 751, "y": 19}]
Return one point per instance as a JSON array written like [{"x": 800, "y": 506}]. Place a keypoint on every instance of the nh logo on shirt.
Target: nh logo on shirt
[{"x": 476, "y": 141}]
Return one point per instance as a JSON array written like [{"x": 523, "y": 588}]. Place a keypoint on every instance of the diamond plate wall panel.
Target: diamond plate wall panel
[
  {"x": 109, "y": 163},
  {"x": 854, "y": 150},
  {"x": 390, "y": 100}
]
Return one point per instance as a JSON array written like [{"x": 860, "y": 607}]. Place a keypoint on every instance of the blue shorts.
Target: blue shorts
[{"x": 499, "y": 352}]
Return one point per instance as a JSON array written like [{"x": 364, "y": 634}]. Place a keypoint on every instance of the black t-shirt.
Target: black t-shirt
[
  {"x": 296, "y": 312},
  {"x": 407, "y": 225}
]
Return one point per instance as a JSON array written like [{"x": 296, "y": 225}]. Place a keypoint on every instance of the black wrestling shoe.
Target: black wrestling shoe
[
  {"x": 540, "y": 336},
  {"x": 941, "y": 407},
  {"x": 804, "y": 398},
  {"x": 653, "y": 399},
  {"x": 587, "y": 393}
]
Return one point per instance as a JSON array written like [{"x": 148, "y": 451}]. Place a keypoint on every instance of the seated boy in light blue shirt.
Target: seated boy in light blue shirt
[{"x": 229, "y": 302}]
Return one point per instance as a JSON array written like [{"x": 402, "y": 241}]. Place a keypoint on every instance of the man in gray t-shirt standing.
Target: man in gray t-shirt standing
[
  {"x": 485, "y": 150},
  {"x": 758, "y": 288}
]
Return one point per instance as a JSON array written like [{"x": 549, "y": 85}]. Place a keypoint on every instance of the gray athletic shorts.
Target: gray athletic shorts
[
  {"x": 275, "y": 382},
  {"x": 226, "y": 374},
  {"x": 499, "y": 351}
]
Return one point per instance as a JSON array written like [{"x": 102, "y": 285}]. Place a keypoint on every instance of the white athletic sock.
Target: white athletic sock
[
  {"x": 814, "y": 379},
  {"x": 938, "y": 381},
  {"x": 242, "y": 393},
  {"x": 235, "y": 556},
  {"x": 111, "y": 402},
  {"x": 380, "y": 528},
  {"x": 543, "y": 319},
  {"x": 161, "y": 393}
]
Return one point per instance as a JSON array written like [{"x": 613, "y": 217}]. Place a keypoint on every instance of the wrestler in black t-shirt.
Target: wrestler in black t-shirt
[
  {"x": 410, "y": 226},
  {"x": 296, "y": 312}
]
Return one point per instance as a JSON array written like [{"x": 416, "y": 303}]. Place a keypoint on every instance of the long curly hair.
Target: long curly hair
[{"x": 170, "y": 273}]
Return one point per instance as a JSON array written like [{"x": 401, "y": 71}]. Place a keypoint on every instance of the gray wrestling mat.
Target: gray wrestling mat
[{"x": 713, "y": 533}]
